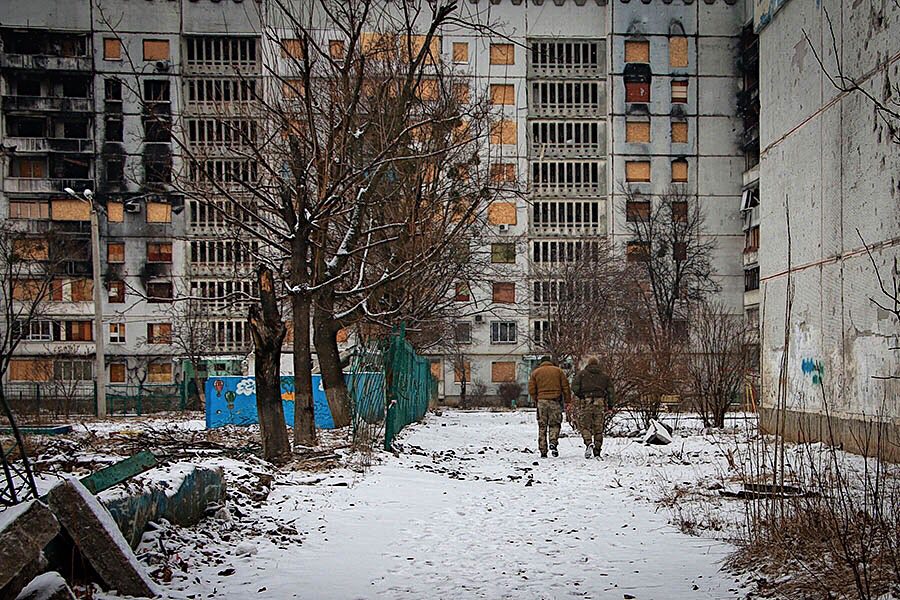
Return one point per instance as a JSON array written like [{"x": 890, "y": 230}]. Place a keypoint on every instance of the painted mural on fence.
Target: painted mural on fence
[{"x": 232, "y": 400}]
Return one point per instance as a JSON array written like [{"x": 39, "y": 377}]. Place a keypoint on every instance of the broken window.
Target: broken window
[
  {"x": 26, "y": 126},
  {"x": 30, "y": 168},
  {"x": 159, "y": 291},
  {"x": 115, "y": 292},
  {"x": 159, "y": 333},
  {"x": 76, "y": 87},
  {"x": 28, "y": 87},
  {"x": 74, "y": 331},
  {"x": 679, "y": 251},
  {"x": 751, "y": 239},
  {"x": 463, "y": 292},
  {"x": 462, "y": 332},
  {"x": 112, "y": 90},
  {"x": 680, "y": 211},
  {"x": 751, "y": 279},
  {"x": 115, "y": 169},
  {"x": 113, "y": 130}
]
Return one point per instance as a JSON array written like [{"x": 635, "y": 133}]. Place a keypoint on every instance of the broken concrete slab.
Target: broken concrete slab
[
  {"x": 34, "y": 568},
  {"x": 24, "y": 531},
  {"x": 98, "y": 538},
  {"x": 49, "y": 586},
  {"x": 180, "y": 493}
]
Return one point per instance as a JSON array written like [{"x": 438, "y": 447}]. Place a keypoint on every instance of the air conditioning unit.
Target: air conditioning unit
[
  {"x": 163, "y": 66},
  {"x": 503, "y": 228},
  {"x": 132, "y": 206}
]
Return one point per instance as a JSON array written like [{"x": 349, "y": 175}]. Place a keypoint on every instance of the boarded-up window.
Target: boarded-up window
[
  {"x": 637, "y": 91},
  {"x": 159, "y": 333},
  {"x": 637, "y": 131},
  {"x": 503, "y": 54},
  {"x": 679, "y": 251},
  {"x": 637, "y": 211},
  {"x": 115, "y": 252},
  {"x": 115, "y": 291},
  {"x": 115, "y": 212},
  {"x": 79, "y": 331},
  {"x": 291, "y": 48},
  {"x": 502, "y": 372},
  {"x": 156, "y": 49},
  {"x": 678, "y": 52},
  {"x": 342, "y": 335},
  {"x": 82, "y": 290},
  {"x": 679, "y": 171},
  {"x": 460, "y": 52},
  {"x": 503, "y": 173},
  {"x": 112, "y": 49},
  {"x": 679, "y": 92},
  {"x": 504, "y": 292},
  {"x": 159, "y": 252},
  {"x": 437, "y": 369},
  {"x": 637, "y": 251},
  {"x": 637, "y": 170},
  {"x": 380, "y": 45},
  {"x": 504, "y": 132},
  {"x": 679, "y": 132},
  {"x": 159, "y": 212},
  {"x": 461, "y": 92},
  {"x": 428, "y": 90},
  {"x": 503, "y": 253},
  {"x": 160, "y": 372},
  {"x": 70, "y": 210},
  {"x": 433, "y": 55},
  {"x": 680, "y": 211},
  {"x": 31, "y": 249},
  {"x": 462, "y": 372},
  {"x": 117, "y": 373},
  {"x": 28, "y": 210},
  {"x": 336, "y": 49},
  {"x": 28, "y": 289},
  {"x": 292, "y": 88},
  {"x": 637, "y": 51},
  {"x": 503, "y": 93},
  {"x": 30, "y": 369},
  {"x": 502, "y": 213}
]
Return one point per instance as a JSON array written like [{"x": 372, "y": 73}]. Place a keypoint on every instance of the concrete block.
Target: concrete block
[
  {"x": 49, "y": 586},
  {"x": 180, "y": 493},
  {"x": 24, "y": 531},
  {"x": 37, "y": 566},
  {"x": 99, "y": 539}
]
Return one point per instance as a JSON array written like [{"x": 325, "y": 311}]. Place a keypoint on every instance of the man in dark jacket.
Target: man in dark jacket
[
  {"x": 549, "y": 388},
  {"x": 595, "y": 398}
]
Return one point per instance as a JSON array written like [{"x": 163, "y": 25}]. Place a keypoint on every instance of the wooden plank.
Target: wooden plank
[{"x": 121, "y": 471}]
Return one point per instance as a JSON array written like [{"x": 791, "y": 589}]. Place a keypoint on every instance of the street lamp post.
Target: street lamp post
[{"x": 99, "y": 333}]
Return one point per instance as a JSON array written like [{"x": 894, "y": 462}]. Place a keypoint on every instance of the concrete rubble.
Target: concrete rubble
[
  {"x": 49, "y": 586},
  {"x": 24, "y": 531}
]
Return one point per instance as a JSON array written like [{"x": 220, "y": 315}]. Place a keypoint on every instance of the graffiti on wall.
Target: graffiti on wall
[{"x": 814, "y": 369}]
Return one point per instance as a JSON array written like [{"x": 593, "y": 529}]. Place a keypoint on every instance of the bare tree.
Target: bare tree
[
  {"x": 193, "y": 338},
  {"x": 718, "y": 360}
]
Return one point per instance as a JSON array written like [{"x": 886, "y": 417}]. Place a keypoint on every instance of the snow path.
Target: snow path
[{"x": 454, "y": 516}]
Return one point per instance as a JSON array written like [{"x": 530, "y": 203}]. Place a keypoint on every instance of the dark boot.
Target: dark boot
[{"x": 554, "y": 451}]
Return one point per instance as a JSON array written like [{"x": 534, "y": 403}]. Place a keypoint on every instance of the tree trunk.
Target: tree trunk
[
  {"x": 304, "y": 409},
  {"x": 268, "y": 334},
  {"x": 325, "y": 340}
]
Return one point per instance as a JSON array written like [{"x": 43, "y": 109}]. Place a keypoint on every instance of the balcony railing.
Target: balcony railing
[
  {"x": 44, "y": 144},
  {"x": 23, "y": 184},
  {"x": 40, "y": 62},
  {"x": 48, "y": 103}
]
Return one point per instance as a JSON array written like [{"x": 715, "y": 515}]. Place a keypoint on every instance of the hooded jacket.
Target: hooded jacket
[{"x": 592, "y": 382}]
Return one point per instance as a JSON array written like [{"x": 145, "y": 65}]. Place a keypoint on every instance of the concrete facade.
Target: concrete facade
[{"x": 828, "y": 187}]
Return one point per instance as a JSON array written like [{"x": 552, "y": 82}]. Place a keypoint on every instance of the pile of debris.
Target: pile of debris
[{"x": 35, "y": 536}]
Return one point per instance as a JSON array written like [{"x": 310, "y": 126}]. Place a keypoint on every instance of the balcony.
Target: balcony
[
  {"x": 48, "y": 103},
  {"x": 43, "y": 144},
  {"x": 44, "y": 186},
  {"x": 41, "y": 62}
]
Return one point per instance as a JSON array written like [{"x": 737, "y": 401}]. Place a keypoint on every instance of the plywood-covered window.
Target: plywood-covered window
[
  {"x": 679, "y": 171},
  {"x": 30, "y": 369},
  {"x": 378, "y": 45},
  {"x": 637, "y": 91},
  {"x": 336, "y": 49},
  {"x": 637, "y": 131},
  {"x": 82, "y": 290},
  {"x": 31, "y": 249},
  {"x": 24, "y": 209},
  {"x": 291, "y": 48},
  {"x": 78, "y": 331},
  {"x": 680, "y": 211},
  {"x": 503, "y": 94},
  {"x": 160, "y": 372},
  {"x": 679, "y": 132},
  {"x": 502, "y": 213},
  {"x": 115, "y": 252},
  {"x": 70, "y": 210},
  {"x": 462, "y": 372},
  {"x": 637, "y": 171},
  {"x": 504, "y": 131},
  {"x": 503, "y": 253},
  {"x": 159, "y": 252},
  {"x": 428, "y": 90},
  {"x": 115, "y": 212},
  {"x": 461, "y": 92},
  {"x": 678, "y": 51},
  {"x": 503, "y": 54},
  {"x": 503, "y": 173},
  {"x": 460, "y": 52},
  {"x": 112, "y": 49},
  {"x": 503, "y": 371},
  {"x": 437, "y": 368},
  {"x": 28, "y": 168},
  {"x": 637, "y": 211},
  {"x": 117, "y": 372},
  {"x": 637, "y": 251},
  {"x": 156, "y": 49},
  {"x": 417, "y": 42},
  {"x": 679, "y": 92},
  {"x": 159, "y": 212},
  {"x": 503, "y": 292},
  {"x": 637, "y": 51},
  {"x": 159, "y": 333}
]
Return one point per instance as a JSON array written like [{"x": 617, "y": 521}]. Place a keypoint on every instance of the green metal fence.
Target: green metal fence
[
  {"x": 140, "y": 399},
  {"x": 391, "y": 387},
  {"x": 35, "y": 401}
]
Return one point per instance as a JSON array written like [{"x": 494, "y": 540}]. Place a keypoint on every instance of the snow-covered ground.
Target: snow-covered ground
[{"x": 466, "y": 510}]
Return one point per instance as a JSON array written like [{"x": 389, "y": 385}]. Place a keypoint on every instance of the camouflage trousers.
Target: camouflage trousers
[
  {"x": 592, "y": 421},
  {"x": 549, "y": 417}
]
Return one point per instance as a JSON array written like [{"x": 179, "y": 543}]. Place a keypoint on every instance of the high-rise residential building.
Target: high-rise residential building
[{"x": 590, "y": 97}]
